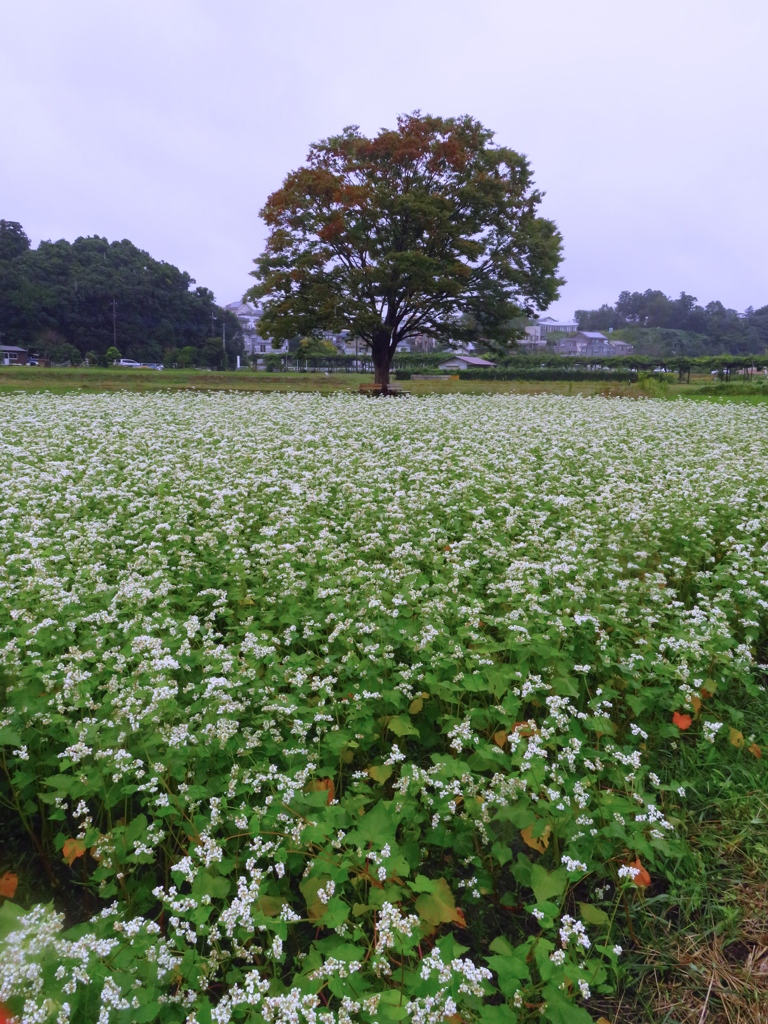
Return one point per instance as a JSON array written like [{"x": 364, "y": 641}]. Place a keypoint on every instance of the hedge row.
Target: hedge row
[{"x": 559, "y": 373}]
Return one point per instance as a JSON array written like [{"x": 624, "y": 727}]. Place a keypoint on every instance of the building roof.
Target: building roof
[
  {"x": 595, "y": 335},
  {"x": 471, "y": 360},
  {"x": 12, "y": 348},
  {"x": 243, "y": 308}
]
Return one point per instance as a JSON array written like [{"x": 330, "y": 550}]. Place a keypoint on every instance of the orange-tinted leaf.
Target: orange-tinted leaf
[
  {"x": 736, "y": 737},
  {"x": 319, "y": 785},
  {"x": 603, "y": 1020},
  {"x": 459, "y": 918},
  {"x": 755, "y": 750},
  {"x": 72, "y": 849},
  {"x": 682, "y": 722},
  {"x": 500, "y": 737},
  {"x": 537, "y": 843},
  {"x": 709, "y": 689},
  {"x": 8, "y": 884},
  {"x": 696, "y": 704},
  {"x": 415, "y": 706},
  {"x": 642, "y": 878},
  {"x": 5, "y": 1015}
]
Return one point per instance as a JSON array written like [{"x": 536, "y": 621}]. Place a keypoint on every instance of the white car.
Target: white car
[{"x": 128, "y": 362}]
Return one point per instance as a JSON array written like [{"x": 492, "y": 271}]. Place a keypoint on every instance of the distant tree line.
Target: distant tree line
[
  {"x": 70, "y": 299},
  {"x": 659, "y": 325}
]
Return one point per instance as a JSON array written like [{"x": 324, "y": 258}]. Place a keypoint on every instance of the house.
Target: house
[
  {"x": 248, "y": 317},
  {"x": 536, "y": 334},
  {"x": 461, "y": 362},
  {"x": 12, "y": 355},
  {"x": 592, "y": 343}
]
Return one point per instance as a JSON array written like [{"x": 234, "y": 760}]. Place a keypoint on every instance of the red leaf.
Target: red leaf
[
  {"x": 642, "y": 878},
  {"x": 8, "y": 883},
  {"x": 682, "y": 722},
  {"x": 5, "y": 1016},
  {"x": 72, "y": 849},
  {"x": 322, "y": 785}
]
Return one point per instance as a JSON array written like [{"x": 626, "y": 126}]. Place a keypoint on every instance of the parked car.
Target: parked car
[
  {"x": 153, "y": 366},
  {"x": 128, "y": 362}
]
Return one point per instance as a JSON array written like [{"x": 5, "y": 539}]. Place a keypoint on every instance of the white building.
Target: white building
[
  {"x": 461, "y": 362},
  {"x": 536, "y": 334},
  {"x": 248, "y": 316}
]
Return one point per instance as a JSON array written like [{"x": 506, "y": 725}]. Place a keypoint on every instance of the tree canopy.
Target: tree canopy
[
  {"x": 657, "y": 323},
  {"x": 427, "y": 229},
  {"x": 60, "y": 295}
]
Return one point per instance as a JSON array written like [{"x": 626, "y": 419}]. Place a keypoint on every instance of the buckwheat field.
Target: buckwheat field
[{"x": 321, "y": 710}]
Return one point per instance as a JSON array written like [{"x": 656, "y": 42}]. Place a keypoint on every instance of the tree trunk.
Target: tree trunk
[{"x": 380, "y": 354}]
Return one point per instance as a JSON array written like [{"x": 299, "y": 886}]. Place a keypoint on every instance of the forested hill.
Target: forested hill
[
  {"x": 659, "y": 325},
  {"x": 61, "y": 293}
]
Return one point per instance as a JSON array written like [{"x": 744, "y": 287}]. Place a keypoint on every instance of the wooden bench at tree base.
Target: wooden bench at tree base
[{"x": 377, "y": 390}]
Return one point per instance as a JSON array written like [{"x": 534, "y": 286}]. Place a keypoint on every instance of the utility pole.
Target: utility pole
[
  {"x": 213, "y": 319},
  {"x": 224, "y": 335},
  {"x": 114, "y": 323}
]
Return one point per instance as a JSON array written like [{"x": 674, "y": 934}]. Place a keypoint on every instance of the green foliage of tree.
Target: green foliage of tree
[
  {"x": 657, "y": 324},
  {"x": 112, "y": 354},
  {"x": 68, "y": 289},
  {"x": 428, "y": 228},
  {"x": 313, "y": 347}
]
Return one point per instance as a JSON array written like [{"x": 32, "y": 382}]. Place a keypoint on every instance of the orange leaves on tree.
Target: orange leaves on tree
[
  {"x": 642, "y": 878},
  {"x": 500, "y": 737},
  {"x": 8, "y": 885},
  {"x": 72, "y": 849},
  {"x": 682, "y": 722}
]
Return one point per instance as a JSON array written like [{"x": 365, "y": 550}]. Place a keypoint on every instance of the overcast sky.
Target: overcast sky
[{"x": 168, "y": 122}]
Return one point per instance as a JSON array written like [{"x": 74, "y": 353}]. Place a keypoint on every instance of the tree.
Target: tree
[
  {"x": 68, "y": 288},
  {"x": 112, "y": 354},
  {"x": 312, "y": 348},
  {"x": 665, "y": 326},
  {"x": 13, "y": 240},
  {"x": 426, "y": 229}
]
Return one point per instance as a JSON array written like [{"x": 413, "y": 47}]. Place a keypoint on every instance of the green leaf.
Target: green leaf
[
  {"x": 380, "y": 772},
  {"x": 510, "y": 970},
  {"x": 501, "y": 946},
  {"x": 502, "y": 853},
  {"x": 498, "y": 1015},
  {"x": 547, "y": 884},
  {"x": 422, "y": 884},
  {"x": 377, "y": 826},
  {"x": 149, "y": 1011},
  {"x": 592, "y": 914},
  {"x": 402, "y": 726},
  {"x": 560, "y": 1010}
]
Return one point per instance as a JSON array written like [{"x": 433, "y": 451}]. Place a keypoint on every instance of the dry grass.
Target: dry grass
[{"x": 714, "y": 979}]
